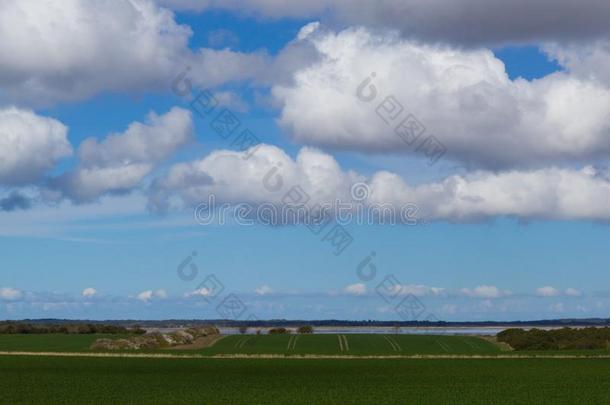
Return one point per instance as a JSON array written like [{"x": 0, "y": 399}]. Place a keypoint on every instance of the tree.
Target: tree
[{"x": 305, "y": 329}]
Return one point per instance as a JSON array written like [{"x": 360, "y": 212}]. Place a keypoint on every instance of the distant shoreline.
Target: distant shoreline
[{"x": 332, "y": 323}]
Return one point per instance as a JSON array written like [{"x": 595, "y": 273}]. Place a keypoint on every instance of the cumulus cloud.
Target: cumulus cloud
[
  {"x": 417, "y": 290},
  {"x": 146, "y": 296},
  {"x": 464, "y": 98},
  {"x": 586, "y": 60},
  {"x": 573, "y": 292},
  {"x": 230, "y": 177},
  {"x": 64, "y": 51},
  {"x": 201, "y": 292},
  {"x": 10, "y": 294},
  {"x": 121, "y": 161},
  {"x": 266, "y": 175},
  {"x": 547, "y": 291},
  {"x": 468, "y": 22},
  {"x": 89, "y": 292},
  {"x": 356, "y": 289},
  {"x": 30, "y": 145},
  {"x": 484, "y": 291},
  {"x": 263, "y": 290}
]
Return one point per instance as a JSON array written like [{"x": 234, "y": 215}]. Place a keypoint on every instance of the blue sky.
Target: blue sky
[{"x": 108, "y": 254}]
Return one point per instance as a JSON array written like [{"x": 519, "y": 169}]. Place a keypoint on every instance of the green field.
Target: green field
[
  {"x": 302, "y": 381},
  {"x": 356, "y": 344},
  {"x": 50, "y": 342},
  {"x": 351, "y": 344},
  {"x": 299, "y": 345}
]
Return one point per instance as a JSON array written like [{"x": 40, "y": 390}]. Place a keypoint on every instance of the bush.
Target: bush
[
  {"x": 156, "y": 340},
  {"x": 305, "y": 329},
  {"x": 278, "y": 331},
  {"x": 556, "y": 339}
]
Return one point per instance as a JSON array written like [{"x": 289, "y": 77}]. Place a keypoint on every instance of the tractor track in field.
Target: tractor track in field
[
  {"x": 306, "y": 356},
  {"x": 241, "y": 342},
  {"x": 393, "y": 343},
  {"x": 292, "y": 342},
  {"x": 443, "y": 346},
  {"x": 343, "y": 344}
]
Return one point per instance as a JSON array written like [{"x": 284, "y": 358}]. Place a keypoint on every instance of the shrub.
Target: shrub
[
  {"x": 305, "y": 329},
  {"x": 278, "y": 331},
  {"x": 556, "y": 339}
]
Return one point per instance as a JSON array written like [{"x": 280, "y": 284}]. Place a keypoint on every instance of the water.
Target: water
[
  {"x": 466, "y": 330},
  {"x": 491, "y": 331}
]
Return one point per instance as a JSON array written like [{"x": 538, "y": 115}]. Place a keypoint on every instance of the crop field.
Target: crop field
[
  {"x": 50, "y": 342},
  {"x": 346, "y": 344},
  {"x": 78, "y": 380},
  {"x": 351, "y": 344},
  {"x": 298, "y": 345}
]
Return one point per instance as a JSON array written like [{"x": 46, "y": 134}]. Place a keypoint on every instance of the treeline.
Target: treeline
[
  {"x": 556, "y": 339},
  {"x": 185, "y": 323},
  {"x": 11, "y": 328}
]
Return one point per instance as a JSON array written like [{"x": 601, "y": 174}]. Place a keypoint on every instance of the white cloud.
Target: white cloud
[
  {"x": 584, "y": 60},
  {"x": 462, "y": 97},
  {"x": 30, "y": 145},
  {"x": 145, "y": 295},
  {"x": 202, "y": 292},
  {"x": 356, "y": 289},
  {"x": 263, "y": 290},
  {"x": 10, "y": 294},
  {"x": 149, "y": 295},
  {"x": 232, "y": 177},
  {"x": 120, "y": 162},
  {"x": 74, "y": 49},
  {"x": 485, "y": 291},
  {"x": 89, "y": 292},
  {"x": 547, "y": 291},
  {"x": 573, "y": 292},
  {"x": 545, "y": 194},
  {"x": 417, "y": 290}
]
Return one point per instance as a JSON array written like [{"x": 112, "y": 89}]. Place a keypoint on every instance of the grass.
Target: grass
[
  {"x": 50, "y": 342},
  {"x": 297, "y": 345},
  {"x": 357, "y": 344},
  {"x": 257, "y": 381}
]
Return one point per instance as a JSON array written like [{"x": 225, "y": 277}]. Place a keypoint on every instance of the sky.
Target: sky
[{"x": 147, "y": 150}]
